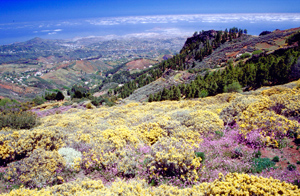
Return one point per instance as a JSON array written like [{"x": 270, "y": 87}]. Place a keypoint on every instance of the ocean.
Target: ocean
[{"x": 145, "y": 26}]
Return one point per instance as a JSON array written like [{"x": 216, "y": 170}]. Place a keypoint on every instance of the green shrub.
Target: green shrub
[
  {"x": 203, "y": 93},
  {"x": 245, "y": 55},
  {"x": 219, "y": 134},
  {"x": 275, "y": 159},
  {"x": 59, "y": 96},
  {"x": 260, "y": 164},
  {"x": 18, "y": 120},
  {"x": 6, "y": 101},
  {"x": 257, "y": 154},
  {"x": 291, "y": 167},
  {"x": 200, "y": 154},
  {"x": 233, "y": 87},
  {"x": 257, "y": 52},
  {"x": 236, "y": 153},
  {"x": 298, "y": 162},
  {"x": 38, "y": 100}
]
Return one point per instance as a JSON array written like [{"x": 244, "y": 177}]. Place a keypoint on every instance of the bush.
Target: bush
[
  {"x": 59, "y": 96},
  {"x": 265, "y": 33},
  {"x": 233, "y": 87},
  {"x": 18, "y": 120},
  {"x": 175, "y": 158},
  {"x": 38, "y": 170},
  {"x": 257, "y": 52},
  {"x": 291, "y": 167},
  {"x": 275, "y": 159},
  {"x": 204, "y": 122},
  {"x": 71, "y": 156},
  {"x": 257, "y": 154},
  {"x": 260, "y": 164},
  {"x": 39, "y": 100},
  {"x": 219, "y": 134},
  {"x": 19, "y": 144},
  {"x": 203, "y": 93},
  {"x": 245, "y": 55},
  {"x": 201, "y": 155}
]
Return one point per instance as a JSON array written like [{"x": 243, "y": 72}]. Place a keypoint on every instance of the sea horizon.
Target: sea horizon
[{"x": 183, "y": 25}]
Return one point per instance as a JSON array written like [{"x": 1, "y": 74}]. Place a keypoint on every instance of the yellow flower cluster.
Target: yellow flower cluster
[
  {"x": 150, "y": 132},
  {"x": 173, "y": 157},
  {"x": 21, "y": 142},
  {"x": 38, "y": 169},
  {"x": 205, "y": 122},
  {"x": 119, "y": 138},
  {"x": 243, "y": 184},
  {"x": 259, "y": 115},
  {"x": 231, "y": 184}
]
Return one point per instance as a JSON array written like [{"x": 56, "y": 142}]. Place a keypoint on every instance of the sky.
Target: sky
[{"x": 24, "y": 19}]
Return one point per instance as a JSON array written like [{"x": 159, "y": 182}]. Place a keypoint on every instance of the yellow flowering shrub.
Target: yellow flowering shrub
[
  {"x": 258, "y": 116},
  {"x": 204, "y": 122},
  {"x": 150, "y": 132},
  {"x": 287, "y": 104},
  {"x": 243, "y": 184},
  {"x": 152, "y": 141},
  {"x": 19, "y": 143},
  {"x": 119, "y": 138},
  {"x": 231, "y": 184},
  {"x": 173, "y": 157},
  {"x": 235, "y": 108},
  {"x": 37, "y": 170}
]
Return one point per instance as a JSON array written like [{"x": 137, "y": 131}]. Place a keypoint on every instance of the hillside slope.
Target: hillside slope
[
  {"x": 202, "y": 54},
  {"x": 179, "y": 147}
]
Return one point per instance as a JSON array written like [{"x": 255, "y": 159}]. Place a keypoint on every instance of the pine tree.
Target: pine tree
[
  {"x": 150, "y": 99},
  {"x": 177, "y": 94},
  {"x": 59, "y": 96},
  {"x": 165, "y": 94}
]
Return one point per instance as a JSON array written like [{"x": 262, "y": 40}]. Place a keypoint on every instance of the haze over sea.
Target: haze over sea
[{"x": 145, "y": 26}]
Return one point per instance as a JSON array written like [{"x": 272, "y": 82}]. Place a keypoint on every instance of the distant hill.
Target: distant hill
[
  {"x": 55, "y": 64},
  {"x": 206, "y": 51},
  {"x": 140, "y": 64}
]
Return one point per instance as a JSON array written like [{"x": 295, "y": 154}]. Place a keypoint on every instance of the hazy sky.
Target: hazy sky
[
  {"x": 21, "y": 20},
  {"x": 37, "y": 10}
]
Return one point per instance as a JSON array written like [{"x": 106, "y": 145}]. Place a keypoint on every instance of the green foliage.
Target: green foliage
[
  {"x": 18, "y": 120},
  {"x": 38, "y": 100},
  {"x": 260, "y": 164},
  {"x": 219, "y": 134},
  {"x": 54, "y": 96},
  {"x": 275, "y": 159},
  {"x": 298, "y": 162},
  {"x": 203, "y": 93},
  {"x": 257, "y": 154},
  {"x": 150, "y": 99},
  {"x": 245, "y": 55},
  {"x": 233, "y": 87},
  {"x": 59, "y": 96},
  {"x": 200, "y": 154},
  {"x": 96, "y": 101},
  {"x": 257, "y": 52},
  {"x": 294, "y": 38},
  {"x": 291, "y": 167}
]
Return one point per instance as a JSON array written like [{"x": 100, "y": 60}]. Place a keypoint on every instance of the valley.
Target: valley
[{"x": 58, "y": 64}]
